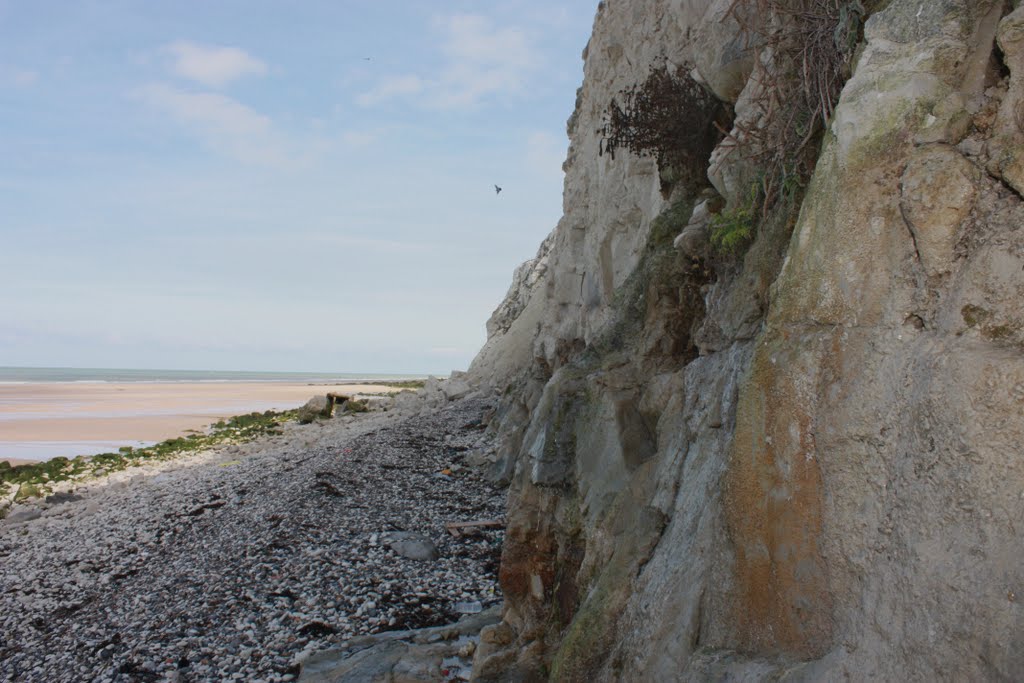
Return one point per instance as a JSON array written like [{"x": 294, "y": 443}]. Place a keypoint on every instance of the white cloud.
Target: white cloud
[
  {"x": 212, "y": 112},
  {"x": 480, "y": 60},
  {"x": 213, "y": 66},
  {"x": 21, "y": 78},
  {"x": 391, "y": 86},
  {"x": 471, "y": 39},
  {"x": 226, "y": 125}
]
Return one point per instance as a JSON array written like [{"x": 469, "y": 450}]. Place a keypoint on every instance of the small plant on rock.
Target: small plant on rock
[{"x": 733, "y": 228}]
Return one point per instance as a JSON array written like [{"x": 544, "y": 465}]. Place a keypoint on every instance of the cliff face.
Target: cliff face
[{"x": 801, "y": 463}]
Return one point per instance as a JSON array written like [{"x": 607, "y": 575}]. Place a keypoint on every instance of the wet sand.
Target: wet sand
[{"x": 49, "y": 418}]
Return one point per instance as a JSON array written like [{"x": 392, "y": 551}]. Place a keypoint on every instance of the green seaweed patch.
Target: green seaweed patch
[
  {"x": 37, "y": 479},
  {"x": 590, "y": 638},
  {"x": 403, "y": 383},
  {"x": 26, "y": 491}
]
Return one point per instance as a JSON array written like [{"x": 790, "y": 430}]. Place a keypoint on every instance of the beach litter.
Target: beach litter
[{"x": 474, "y": 607}]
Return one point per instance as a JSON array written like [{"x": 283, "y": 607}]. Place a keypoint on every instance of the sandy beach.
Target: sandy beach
[{"x": 42, "y": 420}]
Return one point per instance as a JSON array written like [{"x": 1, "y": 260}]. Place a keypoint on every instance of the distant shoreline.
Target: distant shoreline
[{"x": 43, "y": 416}]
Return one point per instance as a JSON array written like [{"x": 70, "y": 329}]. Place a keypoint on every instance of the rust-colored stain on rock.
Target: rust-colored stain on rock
[
  {"x": 774, "y": 507},
  {"x": 528, "y": 565}
]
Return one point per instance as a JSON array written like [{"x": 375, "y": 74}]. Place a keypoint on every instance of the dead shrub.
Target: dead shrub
[
  {"x": 669, "y": 116},
  {"x": 806, "y": 48}
]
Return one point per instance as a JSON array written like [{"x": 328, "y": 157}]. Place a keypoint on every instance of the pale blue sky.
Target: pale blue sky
[{"x": 232, "y": 185}]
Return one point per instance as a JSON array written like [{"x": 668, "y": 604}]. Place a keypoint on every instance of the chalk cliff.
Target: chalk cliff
[{"x": 801, "y": 461}]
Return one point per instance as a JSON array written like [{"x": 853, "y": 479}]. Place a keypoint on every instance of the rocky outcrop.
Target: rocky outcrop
[
  {"x": 315, "y": 408},
  {"x": 427, "y": 655},
  {"x": 799, "y": 463},
  {"x": 524, "y": 279}
]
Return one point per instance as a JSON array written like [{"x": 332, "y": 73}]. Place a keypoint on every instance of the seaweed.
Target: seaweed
[{"x": 37, "y": 479}]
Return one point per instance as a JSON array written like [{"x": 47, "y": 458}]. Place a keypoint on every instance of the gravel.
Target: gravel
[{"x": 240, "y": 563}]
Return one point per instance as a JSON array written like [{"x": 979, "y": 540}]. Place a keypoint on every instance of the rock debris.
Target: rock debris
[{"x": 240, "y": 564}]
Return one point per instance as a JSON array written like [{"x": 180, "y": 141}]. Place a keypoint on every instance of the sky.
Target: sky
[{"x": 257, "y": 185}]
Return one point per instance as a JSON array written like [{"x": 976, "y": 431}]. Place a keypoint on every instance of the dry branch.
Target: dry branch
[{"x": 806, "y": 47}]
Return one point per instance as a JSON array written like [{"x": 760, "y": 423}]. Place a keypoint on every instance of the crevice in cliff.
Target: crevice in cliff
[{"x": 907, "y": 226}]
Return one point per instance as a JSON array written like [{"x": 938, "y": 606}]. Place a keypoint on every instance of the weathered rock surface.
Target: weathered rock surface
[
  {"x": 316, "y": 408},
  {"x": 441, "y": 653},
  {"x": 939, "y": 188},
  {"x": 801, "y": 465},
  {"x": 524, "y": 279}
]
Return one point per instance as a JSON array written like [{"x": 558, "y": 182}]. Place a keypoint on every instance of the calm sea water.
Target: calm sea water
[{"x": 33, "y": 375}]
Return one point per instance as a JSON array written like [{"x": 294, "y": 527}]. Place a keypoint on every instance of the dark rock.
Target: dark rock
[
  {"x": 316, "y": 629},
  {"x": 60, "y": 498}
]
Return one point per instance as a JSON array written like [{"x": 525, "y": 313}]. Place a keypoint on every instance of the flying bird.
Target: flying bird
[{"x": 497, "y": 190}]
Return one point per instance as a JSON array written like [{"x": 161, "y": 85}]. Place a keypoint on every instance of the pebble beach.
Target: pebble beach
[{"x": 241, "y": 562}]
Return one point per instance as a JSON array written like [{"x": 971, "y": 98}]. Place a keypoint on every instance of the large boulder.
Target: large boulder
[
  {"x": 456, "y": 386},
  {"x": 316, "y": 408}
]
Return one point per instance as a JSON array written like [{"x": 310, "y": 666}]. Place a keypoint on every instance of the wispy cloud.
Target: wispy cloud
[
  {"x": 225, "y": 125},
  {"x": 480, "y": 60},
  {"x": 472, "y": 38},
  {"x": 390, "y": 87},
  {"x": 21, "y": 78},
  {"x": 211, "y": 112},
  {"x": 212, "y": 65}
]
